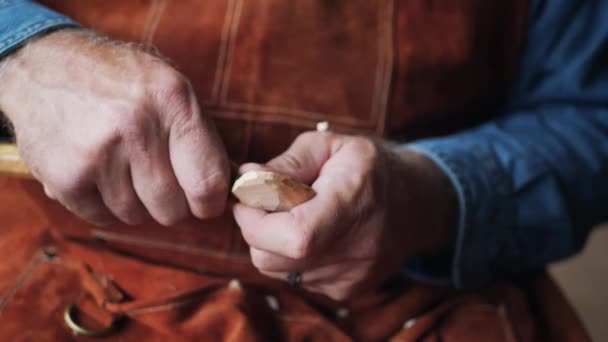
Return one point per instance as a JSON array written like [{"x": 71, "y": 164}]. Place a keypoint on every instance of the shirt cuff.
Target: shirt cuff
[
  {"x": 482, "y": 189},
  {"x": 21, "y": 20}
]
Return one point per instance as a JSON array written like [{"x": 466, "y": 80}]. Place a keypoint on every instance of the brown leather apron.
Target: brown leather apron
[{"x": 267, "y": 70}]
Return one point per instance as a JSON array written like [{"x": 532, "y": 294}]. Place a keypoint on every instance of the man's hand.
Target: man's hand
[
  {"x": 373, "y": 209},
  {"x": 113, "y": 132}
]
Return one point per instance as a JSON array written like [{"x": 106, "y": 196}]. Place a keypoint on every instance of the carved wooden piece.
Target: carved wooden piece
[{"x": 271, "y": 191}]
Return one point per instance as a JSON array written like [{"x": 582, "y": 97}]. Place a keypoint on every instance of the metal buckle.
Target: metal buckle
[{"x": 68, "y": 317}]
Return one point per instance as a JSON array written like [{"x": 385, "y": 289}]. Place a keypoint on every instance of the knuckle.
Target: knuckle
[
  {"x": 307, "y": 136},
  {"x": 313, "y": 137},
  {"x": 163, "y": 191},
  {"x": 165, "y": 202},
  {"x": 98, "y": 219},
  {"x": 128, "y": 211},
  {"x": 260, "y": 260},
  {"x": 70, "y": 183},
  {"x": 170, "y": 219},
  {"x": 174, "y": 94},
  {"x": 302, "y": 245},
  {"x": 368, "y": 156},
  {"x": 92, "y": 213},
  {"x": 338, "y": 295},
  {"x": 171, "y": 81},
  {"x": 250, "y": 235},
  {"x": 131, "y": 125},
  {"x": 341, "y": 291},
  {"x": 356, "y": 180},
  {"x": 210, "y": 188},
  {"x": 367, "y": 149},
  {"x": 288, "y": 161},
  {"x": 88, "y": 153},
  {"x": 128, "y": 119}
]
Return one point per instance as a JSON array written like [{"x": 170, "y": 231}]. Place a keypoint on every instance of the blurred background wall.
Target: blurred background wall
[{"x": 584, "y": 279}]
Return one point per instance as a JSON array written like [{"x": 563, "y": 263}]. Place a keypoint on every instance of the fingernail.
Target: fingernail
[{"x": 250, "y": 167}]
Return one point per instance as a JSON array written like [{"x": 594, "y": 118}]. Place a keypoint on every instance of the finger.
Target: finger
[
  {"x": 87, "y": 205},
  {"x": 296, "y": 234},
  {"x": 116, "y": 189},
  {"x": 270, "y": 262},
  {"x": 307, "y": 280},
  {"x": 339, "y": 290},
  {"x": 264, "y": 238},
  {"x": 252, "y": 167},
  {"x": 302, "y": 160},
  {"x": 335, "y": 281},
  {"x": 200, "y": 162},
  {"x": 319, "y": 276},
  {"x": 48, "y": 192},
  {"x": 154, "y": 181},
  {"x": 73, "y": 185}
]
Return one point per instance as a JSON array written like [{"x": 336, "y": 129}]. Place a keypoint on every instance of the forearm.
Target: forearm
[
  {"x": 435, "y": 203},
  {"x": 534, "y": 182},
  {"x": 527, "y": 196}
]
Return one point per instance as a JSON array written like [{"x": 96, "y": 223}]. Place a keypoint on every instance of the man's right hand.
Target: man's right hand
[{"x": 113, "y": 132}]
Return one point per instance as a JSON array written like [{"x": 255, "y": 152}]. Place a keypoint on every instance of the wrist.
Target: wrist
[
  {"x": 15, "y": 67},
  {"x": 432, "y": 203},
  {"x": 52, "y": 36}
]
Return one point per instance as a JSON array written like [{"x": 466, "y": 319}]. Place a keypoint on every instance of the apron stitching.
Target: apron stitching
[
  {"x": 234, "y": 27},
  {"x": 380, "y": 88},
  {"x": 146, "y": 29},
  {"x": 37, "y": 259},
  {"x": 156, "y": 12},
  {"x": 102, "y": 235},
  {"x": 386, "y": 58},
  {"x": 223, "y": 53},
  {"x": 306, "y": 122}
]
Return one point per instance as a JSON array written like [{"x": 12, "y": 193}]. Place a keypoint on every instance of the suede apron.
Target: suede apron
[{"x": 266, "y": 71}]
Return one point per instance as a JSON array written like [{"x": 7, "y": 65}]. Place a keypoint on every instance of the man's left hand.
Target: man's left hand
[{"x": 374, "y": 208}]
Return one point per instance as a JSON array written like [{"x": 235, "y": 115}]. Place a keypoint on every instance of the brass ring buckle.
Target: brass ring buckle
[{"x": 68, "y": 316}]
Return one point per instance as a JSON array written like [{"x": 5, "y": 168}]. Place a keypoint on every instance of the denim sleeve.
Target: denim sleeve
[
  {"x": 21, "y": 20},
  {"x": 534, "y": 182}
]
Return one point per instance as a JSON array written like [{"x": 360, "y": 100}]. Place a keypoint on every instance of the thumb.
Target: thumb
[{"x": 303, "y": 160}]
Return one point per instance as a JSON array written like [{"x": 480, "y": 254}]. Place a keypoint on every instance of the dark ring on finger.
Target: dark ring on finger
[{"x": 294, "y": 278}]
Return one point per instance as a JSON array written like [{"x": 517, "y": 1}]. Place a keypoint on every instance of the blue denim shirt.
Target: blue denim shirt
[
  {"x": 532, "y": 183},
  {"x": 22, "y": 19}
]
